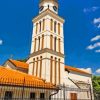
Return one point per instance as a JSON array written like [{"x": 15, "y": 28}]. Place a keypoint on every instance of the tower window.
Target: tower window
[
  {"x": 40, "y": 66},
  {"x": 36, "y": 28},
  {"x": 55, "y": 70},
  {"x": 55, "y": 44},
  {"x": 33, "y": 66},
  {"x": 59, "y": 69},
  {"x": 8, "y": 95},
  {"x": 41, "y": 8},
  {"x": 35, "y": 45},
  {"x": 32, "y": 95},
  {"x": 48, "y": 6},
  {"x": 59, "y": 28},
  {"x": 40, "y": 25},
  {"x": 59, "y": 49},
  {"x": 55, "y": 23},
  {"x": 51, "y": 25},
  {"x": 42, "y": 41},
  {"x": 51, "y": 42},
  {"x": 43, "y": 24},
  {"x": 51, "y": 68},
  {"x": 55, "y": 8},
  {"x": 39, "y": 43},
  {"x": 37, "y": 67}
]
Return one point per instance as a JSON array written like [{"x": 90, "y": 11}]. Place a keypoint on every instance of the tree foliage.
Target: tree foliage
[{"x": 96, "y": 85}]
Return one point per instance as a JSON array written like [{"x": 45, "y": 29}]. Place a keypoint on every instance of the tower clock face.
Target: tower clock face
[
  {"x": 41, "y": 8},
  {"x": 55, "y": 8}
]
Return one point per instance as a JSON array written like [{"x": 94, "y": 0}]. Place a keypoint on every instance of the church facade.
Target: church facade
[{"x": 46, "y": 62}]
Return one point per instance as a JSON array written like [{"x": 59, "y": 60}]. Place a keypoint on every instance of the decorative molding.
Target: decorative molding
[
  {"x": 48, "y": 12},
  {"x": 46, "y": 50}
]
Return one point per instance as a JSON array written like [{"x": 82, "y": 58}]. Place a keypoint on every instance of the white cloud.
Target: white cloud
[
  {"x": 95, "y": 38},
  {"x": 92, "y": 9},
  {"x": 98, "y": 26},
  {"x": 98, "y": 71},
  {"x": 90, "y": 47},
  {"x": 1, "y": 42},
  {"x": 97, "y": 51},
  {"x": 95, "y": 8},
  {"x": 89, "y": 70},
  {"x": 96, "y": 20}
]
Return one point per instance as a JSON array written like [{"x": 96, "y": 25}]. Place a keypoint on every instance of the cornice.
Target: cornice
[
  {"x": 46, "y": 50},
  {"x": 48, "y": 12}
]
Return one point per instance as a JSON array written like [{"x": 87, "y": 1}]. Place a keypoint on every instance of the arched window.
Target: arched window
[
  {"x": 55, "y": 23},
  {"x": 59, "y": 49},
  {"x": 35, "y": 45},
  {"x": 33, "y": 66},
  {"x": 37, "y": 67},
  {"x": 39, "y": 43},
  {"x": 51, "y": 42},
  {"x": 40, "y": 25},
  {"x": 55, "y": 75},
  {"x": 55, "y": 44},
  {"x": 59, "y": 74},
  {"x": 43, "y": 25},
  {"x": 43, "y": 41},
  {"x": 59, "y": 28},
  {"x": 36, "y": 28},
  {"x": 51, "y": 69},
  {"x": 51, "y": 25},
  {"x": 40, "y": 66}
]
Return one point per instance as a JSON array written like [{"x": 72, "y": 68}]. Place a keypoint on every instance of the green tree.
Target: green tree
[{"x": 96, "y": 85}]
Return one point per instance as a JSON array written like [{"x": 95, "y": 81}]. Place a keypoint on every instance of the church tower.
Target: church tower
[{"x": 47, "y": 49}]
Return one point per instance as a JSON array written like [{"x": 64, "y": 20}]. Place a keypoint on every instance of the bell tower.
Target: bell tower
[{"x": 47, "y": 48}]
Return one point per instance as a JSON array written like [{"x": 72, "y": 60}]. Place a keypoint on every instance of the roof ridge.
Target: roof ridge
[
  {"x": 76, "y": 69},
  {"x": 17, "y": 60},
  {"x": 19, "y": 64}
]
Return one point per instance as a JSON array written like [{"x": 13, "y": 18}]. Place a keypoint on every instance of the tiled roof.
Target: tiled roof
[
  {"x": 76, "y": 70},
  {"x": 13, "y": 77},
  {"x": 19, "y": 64},
  {"x": 26, "y": 66}
]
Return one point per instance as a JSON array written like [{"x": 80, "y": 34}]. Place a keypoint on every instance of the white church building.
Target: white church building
[{"x": 46, "y": 62}]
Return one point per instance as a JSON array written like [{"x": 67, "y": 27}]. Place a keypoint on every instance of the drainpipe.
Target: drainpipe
[{"x": 57, "y": 90}]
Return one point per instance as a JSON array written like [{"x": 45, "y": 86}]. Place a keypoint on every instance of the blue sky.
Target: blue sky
[{"x": 81, "y": 30}]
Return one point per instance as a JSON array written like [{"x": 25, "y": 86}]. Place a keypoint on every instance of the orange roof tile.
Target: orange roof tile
[
  {"x": 19, "y": 64},
  {"x": 76, "y": 70},
  {"x": 13, "y": 77}
]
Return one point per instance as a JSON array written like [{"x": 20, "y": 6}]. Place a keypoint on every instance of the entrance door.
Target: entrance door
[{"x": 73, "y": 96}]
